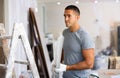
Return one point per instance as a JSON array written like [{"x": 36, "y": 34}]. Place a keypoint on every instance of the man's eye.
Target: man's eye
[
  {"x": 65, "y": 16},
  {"x": 69, "y": 16}
]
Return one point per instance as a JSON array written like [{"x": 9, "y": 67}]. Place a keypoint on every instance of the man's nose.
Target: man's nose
[{"x": 66, "y": 18}]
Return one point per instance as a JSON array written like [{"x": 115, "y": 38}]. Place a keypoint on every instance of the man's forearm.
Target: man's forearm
[{"x": 80, "y": 66}]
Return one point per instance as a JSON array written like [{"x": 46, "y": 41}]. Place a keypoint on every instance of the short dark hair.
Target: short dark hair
[{"x": 74, "y": 8}]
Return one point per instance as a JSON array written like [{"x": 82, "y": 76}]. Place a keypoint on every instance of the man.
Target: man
[{"x": 78, "y": 47}]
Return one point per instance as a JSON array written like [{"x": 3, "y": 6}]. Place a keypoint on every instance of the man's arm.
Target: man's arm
[{"x": 87, "y": 63}]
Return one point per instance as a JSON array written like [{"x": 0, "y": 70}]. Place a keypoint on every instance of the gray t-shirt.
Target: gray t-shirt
[{"x": 74, "y": 42}]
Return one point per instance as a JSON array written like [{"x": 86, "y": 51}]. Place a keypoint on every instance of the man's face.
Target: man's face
[{"x": 71, "y": 18}]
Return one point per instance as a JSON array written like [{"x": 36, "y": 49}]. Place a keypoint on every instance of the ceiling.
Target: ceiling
[{"x": 64, "y": 1}]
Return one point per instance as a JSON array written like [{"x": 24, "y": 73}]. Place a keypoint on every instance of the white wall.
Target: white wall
[
  {"x": 95, "y": 18},
  {"x": 41, "y": 8}
]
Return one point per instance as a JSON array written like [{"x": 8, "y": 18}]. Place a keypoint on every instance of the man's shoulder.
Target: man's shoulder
[{"x": 82, "y": 31}]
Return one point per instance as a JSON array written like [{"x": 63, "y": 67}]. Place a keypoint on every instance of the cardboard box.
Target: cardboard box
[{"x": 114, "y": 62}]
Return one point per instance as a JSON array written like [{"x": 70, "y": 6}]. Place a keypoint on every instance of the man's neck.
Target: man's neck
[{"x": 74, "y": 28}]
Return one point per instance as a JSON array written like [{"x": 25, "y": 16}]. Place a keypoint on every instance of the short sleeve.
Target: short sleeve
[{"x": 87, "y": 41}]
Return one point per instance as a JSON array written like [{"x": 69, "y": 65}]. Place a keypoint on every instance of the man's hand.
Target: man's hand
[{"x": 61, "y": 69}]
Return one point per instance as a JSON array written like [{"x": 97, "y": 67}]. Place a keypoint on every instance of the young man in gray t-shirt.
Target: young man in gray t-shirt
[{"x": 78, "y": 47}]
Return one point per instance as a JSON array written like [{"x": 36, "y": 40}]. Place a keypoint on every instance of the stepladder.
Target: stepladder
[{"x": 19, "y": 34}]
